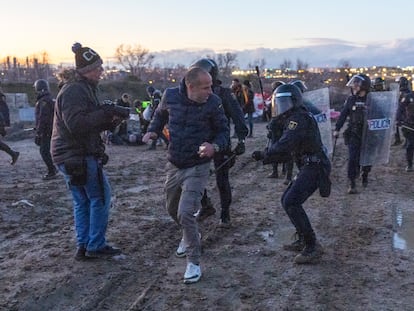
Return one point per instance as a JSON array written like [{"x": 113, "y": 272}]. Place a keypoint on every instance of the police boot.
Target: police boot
[
  {"x": 312, "y": 251},
  {"x": 364, "y": 179},
  {"x": 297, "y": 245},
  {"x": 352, "y": 187},
  {"x": 273, "y": 174},
  {"x": 288, "y": 179},
  {"x": 409, "y": 167},
  {"x": 207, "y": 209},
  {"x": 225, "y": 217}
]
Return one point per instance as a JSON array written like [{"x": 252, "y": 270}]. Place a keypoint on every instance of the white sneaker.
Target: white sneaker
[
  {"x": 182, "y": 248},
  {"x": 192, "y": 273}
]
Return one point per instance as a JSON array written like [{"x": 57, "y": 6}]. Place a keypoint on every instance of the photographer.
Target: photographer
[{"x": 79, "y": 152}]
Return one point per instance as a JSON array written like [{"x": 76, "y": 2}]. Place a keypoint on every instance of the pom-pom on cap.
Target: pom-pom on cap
[{"x": 86, "y": 59}]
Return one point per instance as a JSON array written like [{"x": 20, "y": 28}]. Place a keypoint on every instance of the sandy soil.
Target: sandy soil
[{"x": 244, "y": 266}]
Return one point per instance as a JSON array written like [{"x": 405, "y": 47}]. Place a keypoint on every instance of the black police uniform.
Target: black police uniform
[
  {"x": 405, "y": 118},
  {"x": 301, "y": 137},
  {"x": 234, "y": 112},
  {"x": 354, "y": 108}
]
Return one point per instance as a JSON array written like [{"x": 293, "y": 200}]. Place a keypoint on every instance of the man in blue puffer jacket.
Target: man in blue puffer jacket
[{"x": 198, "y": 128}]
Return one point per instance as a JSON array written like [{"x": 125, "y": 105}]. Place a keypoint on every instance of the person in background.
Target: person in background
[
  {"x": 44, "y": 110},
  {"x": 248, "y": 107},
  {"x": 355, "y": 111},
  {"x": 5, "y": 122},
  {"x": 79, "y": 152},
  {"x": 198, "y": 129},
  {"x": 226, "y": 158}
]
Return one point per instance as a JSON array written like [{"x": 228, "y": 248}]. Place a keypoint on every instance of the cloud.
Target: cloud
[{"x": 318, "y": 52}]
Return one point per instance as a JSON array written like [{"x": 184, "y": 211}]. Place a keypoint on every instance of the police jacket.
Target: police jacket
[
  {"x": 405, "y": 110},
  {"x": 78, "y": 121},
  {"x": 190, "y": 124},
  {"x": 232, "y": 110},
  {"x": 44, "y": 109},
  {"x": 300, "y": 137},
  {"x": 355, "y": 109}
]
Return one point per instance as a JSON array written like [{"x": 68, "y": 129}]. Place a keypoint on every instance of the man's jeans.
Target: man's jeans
[
  {"x": 91, "y": 204},
  {"x": 184, "y": 189}
]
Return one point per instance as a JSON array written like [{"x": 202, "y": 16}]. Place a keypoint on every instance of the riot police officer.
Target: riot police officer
[
  {"x": 379, "y": 84},
  {"x": 224, "y": 159},
  {"x": 355, "y": 109},
  {"x": 44, "y": 110},
  {"x": 300, "y": 137},
  {"x": 405, "y": 119},
  {"x": 404, "y": 92}
]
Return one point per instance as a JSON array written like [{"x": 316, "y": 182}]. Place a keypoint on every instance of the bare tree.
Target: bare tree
[
  {"x": 260, "y": 62},
  {"x": 301, "y": 65},
  {"x": 286, "y": 65},
  {"x": 134, "y": 58},
  {"x": 227, "y": 62},
  {"x": 344, "y": 63}
]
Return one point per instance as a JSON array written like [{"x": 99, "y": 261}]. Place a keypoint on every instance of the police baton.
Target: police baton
[
  {"x": 334, "y": 147},
  {"x": 222, "y": 164},
  {"x": 407, "y": 127}
]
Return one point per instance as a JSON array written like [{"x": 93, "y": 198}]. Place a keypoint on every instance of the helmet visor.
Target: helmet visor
[
  {"x": 356, "y": 81},
  {"x": 281, "y": 102}
]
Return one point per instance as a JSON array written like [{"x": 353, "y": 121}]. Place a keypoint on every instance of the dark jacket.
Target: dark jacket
[
  {"x": 248, "y": 100},
  {"x": 355, "y": 109},
  {"x": 232, "y": 111},
  {"x": 300, "y": 137},
  {"x": 190, "y": 124},
  {"x": 44, "y": 110},
  {"x": 78, "y": 122},
  {"x": 4, "y": 111}
]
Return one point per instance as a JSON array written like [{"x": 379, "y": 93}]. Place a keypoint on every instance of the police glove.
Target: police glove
[
  {"x": 258, "y": 155},
  {"x": 336, "y": 134},
  {"x": 240, "y": 148}
]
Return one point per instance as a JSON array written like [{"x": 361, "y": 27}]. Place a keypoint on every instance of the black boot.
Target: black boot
[
  {"x": 364, "y": 179},
  {"x": 207, "y": 208},
  {"x": 352, "y": 187},
  {"x": 311, "y": 252},
  {"x": 14, "y": 155},
  {"x": 297, "y": 245},
  {"x": 225, "y": 217}
]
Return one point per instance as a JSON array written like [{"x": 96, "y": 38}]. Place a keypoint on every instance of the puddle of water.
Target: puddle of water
[{"x": 403, "y": 237}]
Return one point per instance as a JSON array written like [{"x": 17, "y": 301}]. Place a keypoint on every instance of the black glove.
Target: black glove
[
  {"x": 258, "y": 155},
  {"x": 240, "y": 148},
  {"x": 2, "y": 131},
  {"x": 116, "y": 110},
  {"x": 37, "y": 140}
]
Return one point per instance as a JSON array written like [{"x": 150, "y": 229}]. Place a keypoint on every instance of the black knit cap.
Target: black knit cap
[{"x": 86, "y": 59}]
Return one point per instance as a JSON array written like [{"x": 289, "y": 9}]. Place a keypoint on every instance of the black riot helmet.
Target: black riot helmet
[
  {"x": 403, "y": 83},
  {"x": 276, "y": 84},
  {"x": 208, "y": 65},
  {"x": 361, "y": 80},
  {"x": 41, "y": 86},
  {"x": 379, "y": 84},
  {"x": 286, "y": 97},
  {"x": 300, "y": 84}
]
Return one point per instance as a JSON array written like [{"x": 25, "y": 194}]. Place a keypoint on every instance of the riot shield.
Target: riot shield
[
  {"x": 320, "y": 99},
  {"x": 377, "y": 133}
]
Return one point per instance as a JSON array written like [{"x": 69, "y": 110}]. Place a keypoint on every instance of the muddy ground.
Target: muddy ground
[{"x": 244, "y": 266}]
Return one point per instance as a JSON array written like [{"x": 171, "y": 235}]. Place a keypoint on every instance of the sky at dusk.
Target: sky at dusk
[{"x": 32, "y": 27}]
